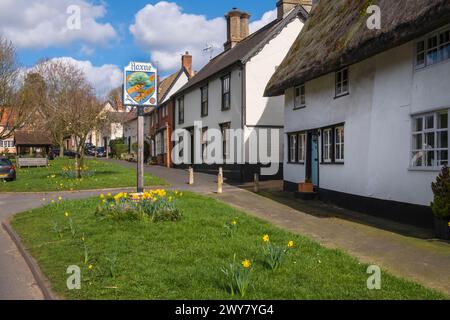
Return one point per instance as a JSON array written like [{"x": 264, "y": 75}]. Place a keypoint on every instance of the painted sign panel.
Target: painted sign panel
[{"x": 140, "y": 85}]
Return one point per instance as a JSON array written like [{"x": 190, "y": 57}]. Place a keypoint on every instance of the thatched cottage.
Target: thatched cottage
[
  {"x": 228, "y": 92},
  {"x": 386, "y": 90}
]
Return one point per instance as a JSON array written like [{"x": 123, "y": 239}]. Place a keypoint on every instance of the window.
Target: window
[
  {"x": 6, "y": 144},
  {"x": 204, "y": 106},
  {"x": 339, "y": 144},
  {"x": 434, "y": 49},
  {"x": 300, "y": 97},
  {"x": 225, "y": 128},
  {"x": 342, "y": 82},
  {"x": 327, "y": 145},
  {"x": 301, "y": 147},
  {"x": 226, "y": 96},
  {"x": 292, "y": 148},
  {"x": 430, "y": 140},
  {"x": 181, "y": 110}
]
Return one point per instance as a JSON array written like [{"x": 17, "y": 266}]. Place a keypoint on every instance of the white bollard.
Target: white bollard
[
  {"x": 220, "y": 182},
  {"x": 191, "y": 176}
]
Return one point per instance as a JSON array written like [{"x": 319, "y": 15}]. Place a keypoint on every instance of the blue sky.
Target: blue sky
[{"x": 114, "y": 32}]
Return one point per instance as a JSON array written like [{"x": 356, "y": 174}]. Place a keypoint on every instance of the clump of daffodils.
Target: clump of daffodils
[
  {"x": 155, "y": 205},
  {"x": 274, "y": 254}
]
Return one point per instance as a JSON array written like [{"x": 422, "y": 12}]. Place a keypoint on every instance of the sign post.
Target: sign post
[{"x": 140, "y": 91}]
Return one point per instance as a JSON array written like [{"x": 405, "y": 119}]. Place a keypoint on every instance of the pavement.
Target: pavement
[{"x": 424, "y": 260}]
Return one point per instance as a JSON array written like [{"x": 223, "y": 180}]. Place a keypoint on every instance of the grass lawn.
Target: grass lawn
[
  {"x": 183, "y": 260},
  {"x": 99, "y": 174}
]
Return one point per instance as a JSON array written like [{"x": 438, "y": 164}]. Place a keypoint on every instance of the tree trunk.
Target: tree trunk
[{"x": 61, "y": 148}]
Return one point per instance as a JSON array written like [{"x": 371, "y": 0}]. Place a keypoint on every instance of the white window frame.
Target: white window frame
[
  {"x": 301, "y": 142},
  {"x": 340, "y": 82},
  {"x": 292, "y": 148},
  {"x": 339, "y": 144},
  {"x": 300, "y": 97},
  {"x": 424, "y": 48},
  {"x": 327, "y": 145},
  {"x": 423, "y": 152}
]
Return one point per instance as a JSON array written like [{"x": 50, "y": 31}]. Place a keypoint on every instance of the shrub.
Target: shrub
[
  {"x": 441, "y": 191},
  {"x": 118, "y": 149},
  {"x": 134, "y": 148}
]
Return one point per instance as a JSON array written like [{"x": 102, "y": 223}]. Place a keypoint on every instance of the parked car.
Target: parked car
[
  {"x": 90, "y": 151},
  {"x": 7, "y": 170},
  {"x": 70, "y": 154},
  {"x": 101, "y": 152}
]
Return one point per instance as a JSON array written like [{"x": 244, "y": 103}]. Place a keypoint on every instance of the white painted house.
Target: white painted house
[
  {"x": 228, "y": 92},
  {"x": 367, "y": 122}
]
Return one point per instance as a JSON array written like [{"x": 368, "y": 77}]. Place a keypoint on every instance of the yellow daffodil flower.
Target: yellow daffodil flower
[
  {"x": 91, "y": 267},
  {"x": 59, "y": 198},
  {"x": 246, "y": 263},
  {"x": 266, "y": 238},
  {"x": 234, "y": 222},
  {"x": 102, "y": 196},
  {"x": 291, "y": 244},
  {"x": 66, "y": 214}
]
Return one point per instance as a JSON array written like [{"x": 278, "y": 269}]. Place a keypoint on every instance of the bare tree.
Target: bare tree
[
  {"x": 70, "y": 106},
  {"x": 17, "y": 100},
  {"x": 62, "y": 81},
  {"x": 84, "y": 115}
]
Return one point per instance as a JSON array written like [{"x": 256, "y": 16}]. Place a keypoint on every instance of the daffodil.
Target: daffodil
[
  {"x": 291, "y": 244},
  {"x": 102, "y": 196},
  {"x": 246, "y": 263},
  {"x": 66, "y": 214},
  {"x": 266, "y": 238},
  {"x": 59, "y": 198},
  {"x": 91, "y": 267},
  {"x": 234, "y": 222}
]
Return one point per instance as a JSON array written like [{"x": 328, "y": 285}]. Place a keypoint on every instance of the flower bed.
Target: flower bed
[{"x": 154, "y": 205}]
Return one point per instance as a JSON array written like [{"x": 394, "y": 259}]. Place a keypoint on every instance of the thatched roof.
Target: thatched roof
[
  {"x": 336, "y": 35},
  {"x": 244, "y": 50},
  {"x": 32, "y": 138}
]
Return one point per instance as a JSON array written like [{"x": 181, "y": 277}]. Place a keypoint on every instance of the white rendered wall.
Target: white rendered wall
[{"x": 384, "y": 91}]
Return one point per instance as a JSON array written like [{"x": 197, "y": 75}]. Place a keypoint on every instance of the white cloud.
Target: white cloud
[
  {"x": 166, "y": 31},
  {"x": 41, "y": 24},
  {"x": 103, "y": 78},
  {"x": 267, "y": 18}
]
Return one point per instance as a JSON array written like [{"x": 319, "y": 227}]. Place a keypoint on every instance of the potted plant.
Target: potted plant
[
  {"x": 441, "y": 204},
  {"x": 306, "y": 187}
]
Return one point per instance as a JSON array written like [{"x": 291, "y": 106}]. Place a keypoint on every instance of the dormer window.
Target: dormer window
[
  {"x": 433, "y": 49},
  {"x": 300, "y": 97},
  {"x": 342, "y": 83}
]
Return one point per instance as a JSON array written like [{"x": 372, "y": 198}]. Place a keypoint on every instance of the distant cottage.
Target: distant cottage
[{"x": 228, "y": 93}]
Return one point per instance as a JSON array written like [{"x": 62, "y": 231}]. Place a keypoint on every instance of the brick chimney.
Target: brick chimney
[
  {"x": 237, "y": 27},
  {"x": 285, "y": 6},
  {"x": 186, "y": 63}
]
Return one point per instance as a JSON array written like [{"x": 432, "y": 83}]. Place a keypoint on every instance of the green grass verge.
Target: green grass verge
[
  {"x": 182, "y": 260},
  {"x": 101, "y": 174}
]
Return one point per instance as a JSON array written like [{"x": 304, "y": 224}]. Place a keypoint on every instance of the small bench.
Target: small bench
[{"x": 31, "y": 162}]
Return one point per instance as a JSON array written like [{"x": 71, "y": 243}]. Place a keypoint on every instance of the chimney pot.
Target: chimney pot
[{"x": 237, "y": 27}]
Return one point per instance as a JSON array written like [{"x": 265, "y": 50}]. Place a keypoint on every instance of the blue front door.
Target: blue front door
[{"x": 315, "y": 160}]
